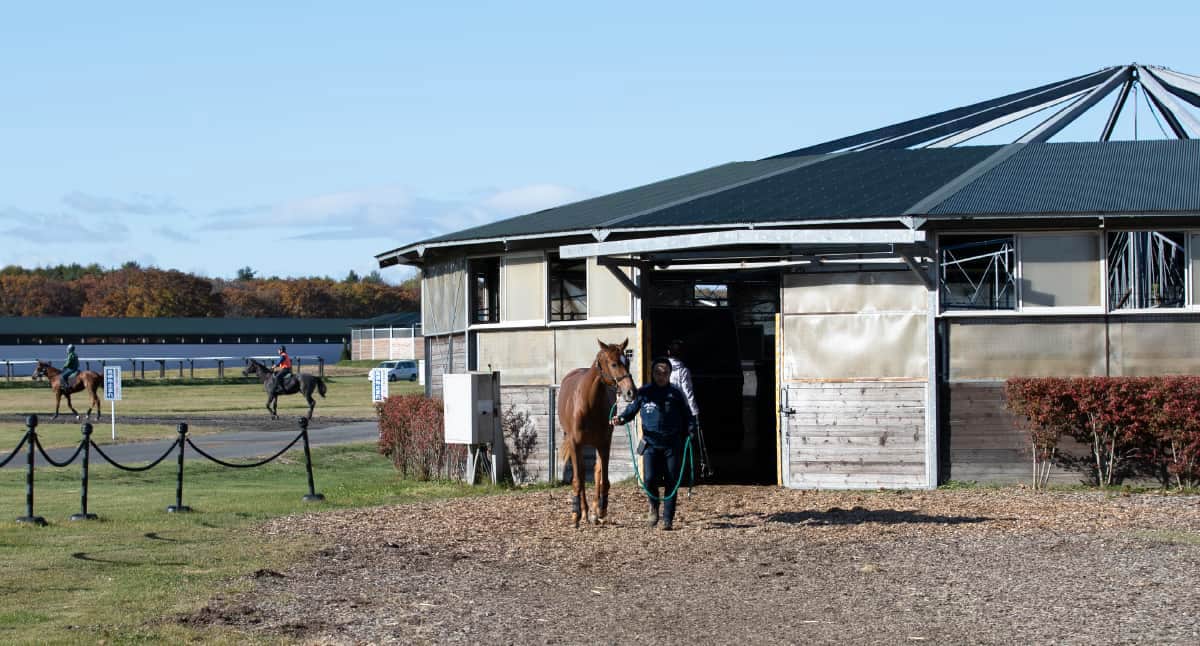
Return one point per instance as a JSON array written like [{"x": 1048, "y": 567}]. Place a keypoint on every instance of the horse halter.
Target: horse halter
[{"x": 605, "y": 378}]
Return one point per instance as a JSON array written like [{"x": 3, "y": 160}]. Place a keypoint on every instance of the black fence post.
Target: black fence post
[
  {"x": 83, "y": 489},
  {"x": 179, "y": 506},
  {"x": 312, "y": 496},
  {"x": 31, "y": 423}
]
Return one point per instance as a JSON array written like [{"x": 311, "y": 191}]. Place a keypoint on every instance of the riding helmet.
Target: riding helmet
[
  {"x": 282, "y": 349},
  {"x": 70, "y": 347}
]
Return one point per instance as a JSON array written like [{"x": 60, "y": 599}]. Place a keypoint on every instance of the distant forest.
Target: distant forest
[{"x": 134, "y": 291}]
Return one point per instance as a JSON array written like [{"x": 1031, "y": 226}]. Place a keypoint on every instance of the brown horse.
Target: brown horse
[
  {"x": 87, "y": 379},
  {"x": 585, "y": 400}
]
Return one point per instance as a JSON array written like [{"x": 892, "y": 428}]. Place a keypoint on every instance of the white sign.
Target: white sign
[
  {"x": 379, "y": 384},
  {"x": 112, "y": 383}
]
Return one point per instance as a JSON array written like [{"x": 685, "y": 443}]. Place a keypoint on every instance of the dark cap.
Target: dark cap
[{"x": 660, "y": 360}]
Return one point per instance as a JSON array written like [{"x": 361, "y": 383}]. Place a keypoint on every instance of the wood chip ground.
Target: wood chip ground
[{"x": 746, "y": 565}]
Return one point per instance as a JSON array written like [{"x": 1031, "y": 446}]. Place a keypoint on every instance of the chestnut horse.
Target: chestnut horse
[
  {"x": 87, "y": 379},
  {"x": 585, "y": 400}
]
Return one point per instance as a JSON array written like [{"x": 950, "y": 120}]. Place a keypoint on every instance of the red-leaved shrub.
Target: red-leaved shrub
[
  {"x": 1143, "y": 426},
  {"x": 411, "y": 434}
]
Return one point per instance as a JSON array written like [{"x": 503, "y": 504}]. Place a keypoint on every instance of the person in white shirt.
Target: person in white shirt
[{"x": 681, "y": 378}]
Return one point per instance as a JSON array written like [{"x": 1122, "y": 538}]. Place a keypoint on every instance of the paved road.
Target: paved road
[{"x": 239, "y": 444}]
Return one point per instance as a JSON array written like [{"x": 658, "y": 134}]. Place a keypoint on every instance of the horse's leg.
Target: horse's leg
[
  {"x": 579, "y": 499},
  {"x": 602, "y": 482},
  {"x": 270, "y": 405},
  {"x": 312, "y": 403},
  {"x": 68, "y": 396},
  {"x": 57, "y": 403},
  {"x": 95, "y": 403}
]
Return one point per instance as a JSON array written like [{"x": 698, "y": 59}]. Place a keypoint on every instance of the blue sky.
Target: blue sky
[{"x": 304, "y": 138}]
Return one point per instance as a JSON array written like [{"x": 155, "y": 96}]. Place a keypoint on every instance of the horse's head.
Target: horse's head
[
  {"x": 614, "y": 369},
  {"x": 252, "y": 368},
  {"x": 40, "y": 372}
]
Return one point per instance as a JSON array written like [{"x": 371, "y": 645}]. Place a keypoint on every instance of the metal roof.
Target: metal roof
[
  {"x": 168, "y": 327},
  {"x": 1091, "y": 177},
  {"x": 397, "y": 319},
  {"x": 878, "y": 175},
  {"x": 873, "y": 183},
  {"x": 595, "y": 212}
]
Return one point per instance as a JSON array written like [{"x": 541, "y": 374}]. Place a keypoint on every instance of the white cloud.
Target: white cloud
[
  {"x": 528, "y": 199},
  {"x": 138, "y": 205}
]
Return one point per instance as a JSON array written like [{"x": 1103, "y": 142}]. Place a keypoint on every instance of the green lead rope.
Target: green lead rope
[{"x": 687, "y": 454}]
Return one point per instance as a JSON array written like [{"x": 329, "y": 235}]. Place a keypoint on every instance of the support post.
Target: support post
[
  {"x": 31, "y": 437},
  {"x": 179, "y": 506},
  {"x": 321, "y": 367},
  {"x": 83, "y": 486},
  {"x": 312, "y": 496}
]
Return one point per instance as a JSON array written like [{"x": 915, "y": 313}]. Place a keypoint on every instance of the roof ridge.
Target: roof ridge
[{"x": 949, "y": 189}]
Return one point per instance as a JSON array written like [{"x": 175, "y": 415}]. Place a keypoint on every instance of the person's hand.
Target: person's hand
[{"x": 615, "y": 421}]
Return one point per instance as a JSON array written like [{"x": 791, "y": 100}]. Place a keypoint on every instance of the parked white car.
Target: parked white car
[{"x": 399, "y": 370}]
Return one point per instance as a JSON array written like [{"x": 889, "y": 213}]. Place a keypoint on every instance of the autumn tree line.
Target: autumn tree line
[{"x": 136, "y": 291}]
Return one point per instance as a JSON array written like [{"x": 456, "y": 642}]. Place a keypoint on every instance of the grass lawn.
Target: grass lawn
[
  {"x": 124, "y": 577},
  {"x": 345, "y": 397}
]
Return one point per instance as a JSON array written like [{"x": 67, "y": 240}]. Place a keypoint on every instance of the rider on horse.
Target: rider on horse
[
  {"x": 70, "y": 369},
  {"x": 283, "y": 370}
]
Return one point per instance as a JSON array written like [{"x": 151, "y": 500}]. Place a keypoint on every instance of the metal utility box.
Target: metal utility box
[{"x": 471, "y": 407}]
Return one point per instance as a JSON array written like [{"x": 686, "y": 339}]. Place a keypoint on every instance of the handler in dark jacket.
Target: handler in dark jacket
[{"x": 666, "y": 422}]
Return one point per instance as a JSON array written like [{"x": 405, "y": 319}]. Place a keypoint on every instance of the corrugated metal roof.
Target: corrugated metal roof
[
  {"x": 167, "y": 327},
  {"x": 1090, "y": 177},
  {"x": 590, "y": 213},
  {"x": 865, "y": 184},
  {"x": 1156, "y": 176},
  {"x": 397, "y": 319}
]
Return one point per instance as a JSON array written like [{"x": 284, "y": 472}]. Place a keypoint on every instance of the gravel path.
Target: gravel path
[{"x": 747, "y": 565}]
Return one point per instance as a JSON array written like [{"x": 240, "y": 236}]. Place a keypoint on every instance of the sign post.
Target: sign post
[
  {"x": 379, "y": 384},
  {"x": 112, "y": 392}
]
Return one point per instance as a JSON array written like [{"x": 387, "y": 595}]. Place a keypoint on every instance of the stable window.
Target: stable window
[
  {"x": 484, "y": 276},
  {"x": 568, "y": 289},
  {"x": 1060, "y": 270},
  {"x": 976, "y": 272},
  {"x": 1146, "y": 270},
  {"x": 710, "y": 295}
]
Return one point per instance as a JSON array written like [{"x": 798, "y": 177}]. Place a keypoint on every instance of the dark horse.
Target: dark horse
[
  {"x": 304, "y": 384},
  {"x": 89, "y": 380},
  {"x": 585, "y": 400}
]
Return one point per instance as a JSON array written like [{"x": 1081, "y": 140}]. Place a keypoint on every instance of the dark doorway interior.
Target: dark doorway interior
[{"x": 727, "y": 326}]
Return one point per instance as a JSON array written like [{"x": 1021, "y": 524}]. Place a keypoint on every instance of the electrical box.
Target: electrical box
[{"x": 471, "y": 410}]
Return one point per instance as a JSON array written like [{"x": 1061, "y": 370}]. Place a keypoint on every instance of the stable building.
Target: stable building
[{"x": 851, "y": 309}]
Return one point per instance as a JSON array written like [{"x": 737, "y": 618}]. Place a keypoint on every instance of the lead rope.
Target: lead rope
[{"x": 687, "y": 454}]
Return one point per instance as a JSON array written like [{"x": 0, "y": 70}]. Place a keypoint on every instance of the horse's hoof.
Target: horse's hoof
[{"x": 575, "y": 520}]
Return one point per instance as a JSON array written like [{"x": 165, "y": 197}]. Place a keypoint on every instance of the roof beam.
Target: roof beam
[
  {"x": 1116, "y": 110},
  {"x": 971, "y": 133},
  {"x": 1184, "y": 87},
  {"x": 951, "y": 121},
  {"x": 751, "y": 237},
  {"x": 1054, "y": 124},
  {"x": 1163, "y": 99}
]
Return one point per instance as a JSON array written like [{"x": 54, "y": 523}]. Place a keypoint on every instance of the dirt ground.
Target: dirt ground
[{"x": 747, "y": 565}]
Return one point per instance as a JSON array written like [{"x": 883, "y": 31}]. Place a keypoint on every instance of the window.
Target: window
[
  {"x": 1060, "y": 270},
  {"x": 484, "y": 274},
  {"x": 976, "y": 272},
  {"x": 1146, "y": 270},
  {"x": 710, "y": 295},
  {"x": 568, "y": 289}
]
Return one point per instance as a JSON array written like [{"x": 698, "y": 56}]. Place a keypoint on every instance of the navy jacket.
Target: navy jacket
[{"x": 666, "y": 417}]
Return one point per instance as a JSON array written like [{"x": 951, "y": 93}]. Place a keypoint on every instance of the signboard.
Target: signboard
[
  {"x": 379, "y": 384},
  {"x": 112, "y": 383}
]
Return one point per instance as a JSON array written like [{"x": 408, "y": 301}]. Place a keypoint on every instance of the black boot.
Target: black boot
[{"x": 652, "y": 515}]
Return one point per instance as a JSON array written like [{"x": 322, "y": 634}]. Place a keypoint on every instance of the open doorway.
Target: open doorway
[{"x": 727, "y": 325}]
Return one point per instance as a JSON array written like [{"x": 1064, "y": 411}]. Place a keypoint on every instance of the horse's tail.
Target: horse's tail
[{"x": 321, "y": 387}]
